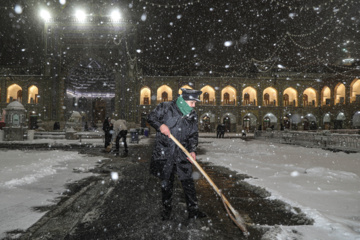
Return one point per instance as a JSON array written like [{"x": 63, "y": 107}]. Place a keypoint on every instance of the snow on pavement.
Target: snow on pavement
[{"x": 324, "y": 184}]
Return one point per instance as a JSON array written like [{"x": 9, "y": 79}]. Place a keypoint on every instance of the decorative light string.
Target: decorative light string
[
  {"x": 285, "y": 5},
  {"x": 17, "y": 69},
  {"x": 343, "y": 74},
  {"x": 166, "y": 66},
  {"x": 278, "y": 3},
  {"x": 153, "y": 4},
  {"x": 316, "y": 45}
]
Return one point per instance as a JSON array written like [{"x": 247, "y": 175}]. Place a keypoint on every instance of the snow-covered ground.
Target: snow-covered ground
[
  {"x": 35, "y": 178},
  {"x": 324, "y": 184}
]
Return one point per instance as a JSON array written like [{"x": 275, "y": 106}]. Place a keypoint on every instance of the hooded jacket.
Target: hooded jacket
[{"x": 167, "y": 156}]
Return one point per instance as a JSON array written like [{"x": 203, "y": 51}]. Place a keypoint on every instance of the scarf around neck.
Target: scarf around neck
[{"x": 183, "y": 106}]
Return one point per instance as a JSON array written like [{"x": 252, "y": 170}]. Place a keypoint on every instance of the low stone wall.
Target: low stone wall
[{"x": 349, "y": 142}]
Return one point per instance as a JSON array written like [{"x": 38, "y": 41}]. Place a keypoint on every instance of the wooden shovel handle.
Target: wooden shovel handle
[{"x": 235, "y": 216}]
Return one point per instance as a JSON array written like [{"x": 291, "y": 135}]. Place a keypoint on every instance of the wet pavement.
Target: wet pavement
[{"x": 128, "y": 207}]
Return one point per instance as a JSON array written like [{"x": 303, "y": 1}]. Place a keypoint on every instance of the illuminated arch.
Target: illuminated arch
[
  {"x": 249, "y": 96},
  {"x": 229, "y": 120},
  {"x": 309, "y": 97},
  {"x": 325, "y": 96},
  {"x": 292, "y": 97},
  {"x": 14, "y": 92},
  {"x": 327, "y": 121},
  {"x": 270, "y": 97},
  {"x": 145, "y": 96},
  {"x": 164, "y": 94},
  {"x": 356, "y": 120},
  {"x": 339, "y": 94},
  {"x": 228, "y": 96},
  {"x": 355, "y": 91},
  {"x": 208, "y": 95},
  {"x": 269, "y": 120},
  {"x": 33, "y": 95},
  {"x": 185, "y": 86},
  {"x": 207, "y": 122},
  {"x": 249, "y": 121}
]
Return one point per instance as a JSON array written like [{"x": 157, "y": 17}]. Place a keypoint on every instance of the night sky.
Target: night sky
[{"x": 206, "y": 35}]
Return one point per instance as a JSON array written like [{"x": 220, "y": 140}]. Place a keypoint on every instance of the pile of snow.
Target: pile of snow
[{"x": 36, "y": 178}]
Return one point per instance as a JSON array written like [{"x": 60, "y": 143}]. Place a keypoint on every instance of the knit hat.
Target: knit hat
[{"x": 190, "y": 94}]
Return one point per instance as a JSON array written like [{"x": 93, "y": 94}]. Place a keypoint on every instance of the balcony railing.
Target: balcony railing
[
  {"x": 229, "y": 103},
  {"x": 249, "y": 103},
  {"x": 207, "y": 102}
]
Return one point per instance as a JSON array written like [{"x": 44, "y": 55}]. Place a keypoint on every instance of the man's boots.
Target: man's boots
[
  {"x": 191, "y": 199},
  {"x": 196, "y": 213}
]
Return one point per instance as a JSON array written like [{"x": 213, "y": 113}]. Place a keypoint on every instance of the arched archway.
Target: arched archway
[
  {"x": 355, "y": 91},
  {"x": 228, "y": 96},
  {"x": 164, "y": 94},
  {"x": 229, "y": 120},
  {"x": 208, "y": 95},
  {"x": 327, "y": 121},
  {"x": 270, "y": 121},
  {"x": 92, "y": 77},
  {"x": 325, "y": 96},
  {"x": 286, "y": 121},
  {"x": 293, "y": 97},
  {"x": 295, "y": 120},
  {"x": 340, "y": 118},
  {"x": 33, "y": 95},
  {"x": 339, "y": 94},
  {"x": 356, "y": 120},
  {"x": 309, "y": 122},
  {"x": 207, "y": 122},
  {"x": 249, "y": 96},
  {"x": 145, "y": 96},
  {"x": 14, "y": 92},
  {"x": 270, "y": 97},
  {"x": 310, "y": 97},
  {"x": 249, "y": 122}
]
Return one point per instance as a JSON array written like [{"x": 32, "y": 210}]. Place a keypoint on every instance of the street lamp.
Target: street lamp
[
  {"x": 115, "y": 15},
  {"x": 44, "y": 14},
  {"x": 80, "y": 15}
]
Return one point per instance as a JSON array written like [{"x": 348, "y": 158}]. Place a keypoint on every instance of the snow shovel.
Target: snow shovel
[{"x": 234, "y": 215}]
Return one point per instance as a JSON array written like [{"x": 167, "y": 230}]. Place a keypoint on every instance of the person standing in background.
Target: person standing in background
[{"x": 121, "y": 132}]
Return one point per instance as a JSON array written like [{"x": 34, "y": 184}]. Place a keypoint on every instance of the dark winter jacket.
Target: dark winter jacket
[
  {"x": 167, "y": 156},
  {"x": 106, "y": 125}
]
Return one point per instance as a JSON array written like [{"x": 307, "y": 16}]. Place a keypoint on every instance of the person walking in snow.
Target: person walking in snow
[
  {"x": 107, "y": 127},
  {"x": 121, "y": 132},
  {"x": 218, "y": 130},
  {"x": 179, "y": 119}
]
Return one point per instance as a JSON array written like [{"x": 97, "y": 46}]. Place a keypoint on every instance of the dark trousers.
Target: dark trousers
[
  {"x": 121, "y": 135},
  {"x": 107, "y": 139},
  {"x": 188, "y": 186}
]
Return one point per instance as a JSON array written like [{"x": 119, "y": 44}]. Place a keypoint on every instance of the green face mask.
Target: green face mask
[{"x": 183, "y": 106}]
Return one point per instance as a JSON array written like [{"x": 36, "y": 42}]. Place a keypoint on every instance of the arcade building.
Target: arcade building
[{"x": 91, "y": 67}]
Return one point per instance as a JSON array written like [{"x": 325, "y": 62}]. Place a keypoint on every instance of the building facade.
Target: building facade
[{"x": 91, "y": 68}]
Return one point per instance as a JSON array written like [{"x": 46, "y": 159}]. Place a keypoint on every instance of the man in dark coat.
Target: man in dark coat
[
  {"x": 107, "y": 127},
  {"x": 179, "y": 119},
  {"x": 220, "y": 131}
]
